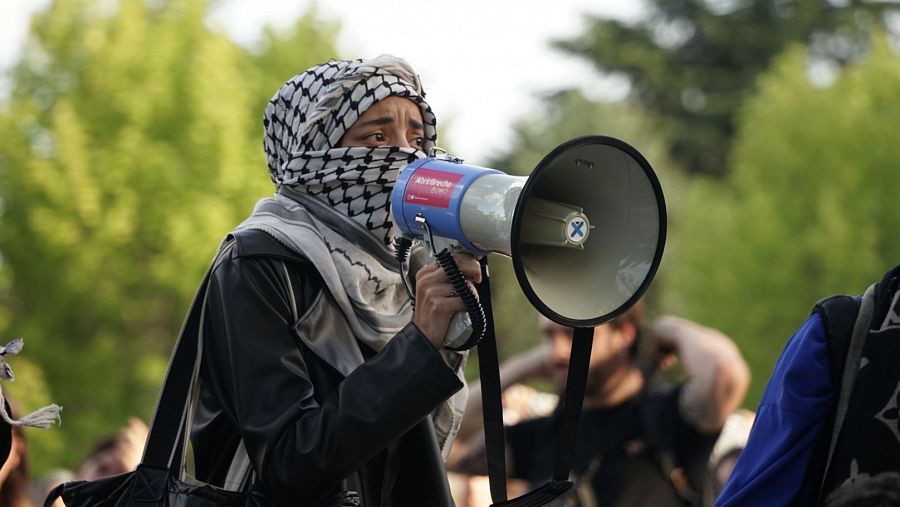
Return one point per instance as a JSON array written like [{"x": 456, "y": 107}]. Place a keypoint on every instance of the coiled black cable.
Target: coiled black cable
[
  {"x": 401, "y": 252},
  {"x": 473, "y": 306},
  {"x": 401, "y": 246}
]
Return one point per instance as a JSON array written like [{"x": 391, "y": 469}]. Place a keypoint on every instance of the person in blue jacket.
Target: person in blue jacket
[{"x": 829, "y": 414}]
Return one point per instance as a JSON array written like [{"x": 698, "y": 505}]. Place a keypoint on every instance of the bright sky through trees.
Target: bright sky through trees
[{"x": 482, "y": 63}]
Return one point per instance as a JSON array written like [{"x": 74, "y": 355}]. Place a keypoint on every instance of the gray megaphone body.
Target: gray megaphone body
[{"x": 585, "y": 231}]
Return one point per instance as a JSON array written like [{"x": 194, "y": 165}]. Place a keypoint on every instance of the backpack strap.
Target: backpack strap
[
  {"x": 169, "y": 429},
  {"x": 857, "y": 339},
  {"x": 838, "y": 314}
]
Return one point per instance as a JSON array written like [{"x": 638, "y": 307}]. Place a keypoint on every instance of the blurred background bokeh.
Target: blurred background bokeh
[{"x": 130, "y": 143}]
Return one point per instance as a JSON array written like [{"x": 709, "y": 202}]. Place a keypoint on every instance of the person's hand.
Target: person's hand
[
  {"x": 717, "y": 375},
  {"x": 665, "y": 334},
  {"x": 436, "y": 302},
  {"x": 664, "y": 353},
  {"x": 670, "y": 333}
]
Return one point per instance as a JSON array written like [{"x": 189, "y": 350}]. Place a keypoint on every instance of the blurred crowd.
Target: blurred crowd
[
  {"x": 118, "y": 453},
  {"x": 523, "y": 403},
  {"x": 121, "y": 452}
]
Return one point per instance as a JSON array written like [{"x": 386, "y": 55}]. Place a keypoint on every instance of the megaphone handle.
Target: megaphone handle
[
  {"x": 579, "y": 360},
  {"x": 491, "y": 400}
]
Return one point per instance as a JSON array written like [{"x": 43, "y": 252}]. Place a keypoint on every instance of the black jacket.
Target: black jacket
[{"x": 310, "y": 433}]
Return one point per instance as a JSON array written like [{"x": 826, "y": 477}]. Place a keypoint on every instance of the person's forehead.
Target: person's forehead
[
  {"x": 393, "y": 110},
  {"x": 395, "y": 102}
]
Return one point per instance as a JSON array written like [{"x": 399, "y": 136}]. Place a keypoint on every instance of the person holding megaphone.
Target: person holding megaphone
[
  {"x": 637, "y": 444},
  {"x": 321, "y": 383}
]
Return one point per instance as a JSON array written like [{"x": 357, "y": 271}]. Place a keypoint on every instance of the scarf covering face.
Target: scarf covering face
[
  {"x": 332, "y": 207},
  {"x": 306, "y": 119}
]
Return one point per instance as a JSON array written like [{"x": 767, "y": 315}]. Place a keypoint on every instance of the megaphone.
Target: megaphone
[{"x": 585, "y": 231}]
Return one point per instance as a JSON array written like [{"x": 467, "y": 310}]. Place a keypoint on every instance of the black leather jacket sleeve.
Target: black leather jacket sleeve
[{"x": 302, "y": 442}]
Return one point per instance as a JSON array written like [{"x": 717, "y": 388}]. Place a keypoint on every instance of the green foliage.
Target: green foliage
[
  {"x": 809, "y": 210},
  {"x": 693, "y": 62},
  {"x": 131, "y": 143},
  {"x": 277, "y": 58}
]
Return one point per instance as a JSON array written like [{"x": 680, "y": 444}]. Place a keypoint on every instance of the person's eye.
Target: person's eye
[
  {"x": 378, "y": 137},
  {"x": 418, "y": 142}
]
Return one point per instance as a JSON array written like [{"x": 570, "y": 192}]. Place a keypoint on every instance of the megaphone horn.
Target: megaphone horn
[{"x": 585, "y": 231}]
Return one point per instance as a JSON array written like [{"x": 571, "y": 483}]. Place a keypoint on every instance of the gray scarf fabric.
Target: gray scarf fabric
[
  {"x": 333, "y": 204},
  {"x": 358, "y": 270}
]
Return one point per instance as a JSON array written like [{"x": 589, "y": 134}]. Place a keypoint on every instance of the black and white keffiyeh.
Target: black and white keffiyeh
[{"x": 306, "y": 119}]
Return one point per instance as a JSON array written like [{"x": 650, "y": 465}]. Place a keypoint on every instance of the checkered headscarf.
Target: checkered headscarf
[{"x": 310, "y": 114}]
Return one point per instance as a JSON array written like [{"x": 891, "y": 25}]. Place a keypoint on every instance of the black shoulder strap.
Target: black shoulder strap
[
  {"x": 165, "y": 437},
  {"x": 851, "y": 369},
  {"x": 838, "y": 315},
  {"x": 488, "y": 370}
]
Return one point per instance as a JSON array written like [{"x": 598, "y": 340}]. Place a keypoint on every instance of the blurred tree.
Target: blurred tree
[
  {"x": 693, "y": 62},
  {"x": 275, "y": 58},
  {"x": 809, "y": 210},
  {"x": 130, "y": 144},
  {"x": 562, "y": 116}
]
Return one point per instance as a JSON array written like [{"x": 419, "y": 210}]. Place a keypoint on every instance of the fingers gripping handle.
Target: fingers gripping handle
[
  {"x": 473, "y": 306},
  {"x": 466, "y": 329}
]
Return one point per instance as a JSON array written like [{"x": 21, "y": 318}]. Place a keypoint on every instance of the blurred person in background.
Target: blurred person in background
[
  {"x": 321, "y": 385},
  {"x": 732, "y": 440},
  {"x": 115, "y": 455},
  {"x": 14, "y": 474},
  {"x": 829, "y": 413},
  {"x": 47, "y": 482},
  {"x": 636, "y": 445}
]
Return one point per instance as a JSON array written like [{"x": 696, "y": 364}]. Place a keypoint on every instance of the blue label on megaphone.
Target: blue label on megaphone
[{"x": 434, "y": 188}]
